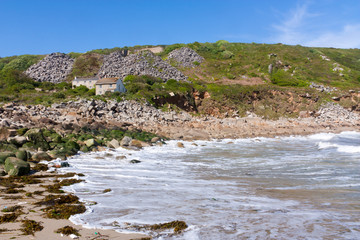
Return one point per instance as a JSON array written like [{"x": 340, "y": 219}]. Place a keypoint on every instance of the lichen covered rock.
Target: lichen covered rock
[{"x": 16, "y": 167}]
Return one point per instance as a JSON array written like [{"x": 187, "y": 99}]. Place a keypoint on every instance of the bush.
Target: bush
[
  {"x": 227, "y": 54},
  {"x": 282, "y": 78},
  {"x": 59, "y": 95}
]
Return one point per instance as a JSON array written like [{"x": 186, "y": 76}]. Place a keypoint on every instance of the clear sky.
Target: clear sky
[{"x": 46, "y": 26}]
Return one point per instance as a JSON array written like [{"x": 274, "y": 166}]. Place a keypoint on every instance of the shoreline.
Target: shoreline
[{"x": 34, "y": 212}]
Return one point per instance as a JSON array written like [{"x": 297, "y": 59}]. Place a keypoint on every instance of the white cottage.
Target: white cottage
[
  {"x": 109, "y": 85},
  {"x": 87, "y": 82}
]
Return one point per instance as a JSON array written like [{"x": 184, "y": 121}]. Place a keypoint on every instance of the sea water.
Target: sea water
[{"x": 304, "y": 187}]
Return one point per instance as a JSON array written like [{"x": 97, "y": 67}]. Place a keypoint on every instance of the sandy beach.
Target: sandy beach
[{"x": 30, "y": 211}]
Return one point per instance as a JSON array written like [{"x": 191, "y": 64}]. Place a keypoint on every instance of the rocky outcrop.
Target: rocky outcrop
[
  {"x": 141, "y": 63},
  {"x": 335, "y": 112},
  {"x": 53, "y": 68},
  {"x": 83, "y": 112},
  {"x": 322, "y": 88},
  {"x": 185, "y": 57}
]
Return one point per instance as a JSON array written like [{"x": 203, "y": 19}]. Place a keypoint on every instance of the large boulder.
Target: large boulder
[
  {"x": 36, "y": 137},
  {"x": 138, "y": 143},
  {"x": 22, "y": 154},
  {"x": 2, "y": 171},
  {"x": 114, "y": 144},
  {"x": 16, "y": 167},
  {"x": 125, "y": 141},
  {"x": 5, "y": 155},
  {"x": 41, "y": 156},
  {"x": 4, "y": 134},
  {"x": 91, "y": 143},
  {"x": 17, "y": 140}
]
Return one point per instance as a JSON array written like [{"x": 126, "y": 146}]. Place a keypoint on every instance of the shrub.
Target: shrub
[
  {"x": 59, "y": 95},
  {"x": 227, "y": 54},
  {"x": 282, "y": 78}
]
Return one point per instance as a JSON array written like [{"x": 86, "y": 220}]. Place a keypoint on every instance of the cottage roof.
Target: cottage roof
[{"x": 107, "y": 81}]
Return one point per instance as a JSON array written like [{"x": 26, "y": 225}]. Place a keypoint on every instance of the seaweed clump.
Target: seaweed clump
[
  {"x": 56, "y": 187},
  {"x": 11, "y": 217},
  {"x": 107, "y": 190},
  {"x": 59, "y": 199},
  {"x": 64, "y": 211},
  {"x": 178, "y": 226},
  {"x": 12, "y": 208},
  {"x": 67, "y": 230},
  {"x": 61, "y": 206},
  {"x": 30, "y": 227}
]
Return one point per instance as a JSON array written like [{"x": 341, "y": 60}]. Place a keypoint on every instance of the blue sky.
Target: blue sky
[{"x": 45, "y": 26}]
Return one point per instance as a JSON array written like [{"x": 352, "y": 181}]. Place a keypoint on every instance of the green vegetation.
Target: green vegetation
[
  {"x": 86, "y": 65},
  {"x": 20, "y": 63},
  {"x": 225, "y": 74}
]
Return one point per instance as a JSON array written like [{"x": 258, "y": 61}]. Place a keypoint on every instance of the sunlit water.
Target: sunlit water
[{"x": 259, "y": 188}]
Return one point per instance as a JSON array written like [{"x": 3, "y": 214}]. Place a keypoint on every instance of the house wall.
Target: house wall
[
  {"x": 114, "y": 87},
  {"x": 87, "y": 83}
]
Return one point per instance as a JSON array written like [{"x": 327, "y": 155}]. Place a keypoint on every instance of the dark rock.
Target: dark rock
[
  {"x": 5, "y": 155},
  {"x": 41, "y": 156},
  {"x": 22, "y": 154},
  {"x": 134, "y": 161}
]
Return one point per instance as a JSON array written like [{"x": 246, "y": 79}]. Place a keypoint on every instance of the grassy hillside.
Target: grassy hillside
[{"x": 234, "y": 78}]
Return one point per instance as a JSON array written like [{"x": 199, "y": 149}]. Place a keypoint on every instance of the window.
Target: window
[{"x": 110, "y": 85}]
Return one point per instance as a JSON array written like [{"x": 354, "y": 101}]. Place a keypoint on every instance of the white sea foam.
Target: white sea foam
[{"x": 228, "y": 189}]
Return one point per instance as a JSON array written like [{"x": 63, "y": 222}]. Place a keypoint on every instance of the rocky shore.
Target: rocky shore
[{"x": 73, "y": 115}]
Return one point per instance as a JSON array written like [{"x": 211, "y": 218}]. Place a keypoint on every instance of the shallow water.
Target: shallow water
[{"x": 260, "y": 188}]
